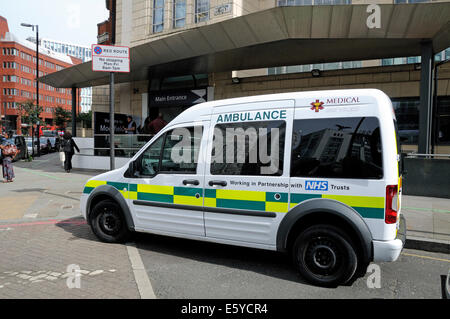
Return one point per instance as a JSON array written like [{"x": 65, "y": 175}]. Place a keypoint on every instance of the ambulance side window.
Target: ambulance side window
[
  {"x": 337, "y": 148},
  {"x": 176, "y": 151},
  {"x": 181, "y": 149},
  {"x": 148, "y": 163},
  {"x": 249, "y": 148}
]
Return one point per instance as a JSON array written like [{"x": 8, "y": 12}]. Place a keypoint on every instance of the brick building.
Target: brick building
[
  {"x": 107, "y": 29},
  {"x": 18, "y": 79}
]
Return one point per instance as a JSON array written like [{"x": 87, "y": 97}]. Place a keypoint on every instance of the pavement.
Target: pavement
[
  {"x": 428, "y": 223},
  {"x": 48, "y": 251}
]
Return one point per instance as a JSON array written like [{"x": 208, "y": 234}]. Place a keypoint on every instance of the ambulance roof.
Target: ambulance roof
[{"x": 204, "y": 110}]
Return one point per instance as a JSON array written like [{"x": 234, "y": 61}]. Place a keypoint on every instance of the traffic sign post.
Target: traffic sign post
[{"x": 112, "y": 59}]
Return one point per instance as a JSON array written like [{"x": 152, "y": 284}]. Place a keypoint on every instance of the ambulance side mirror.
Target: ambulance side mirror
[
  {"x": 131, "y": 168},
  {"x": 131, "y": 172}
]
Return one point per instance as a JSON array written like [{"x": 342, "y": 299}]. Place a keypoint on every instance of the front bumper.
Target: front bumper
[
  {"x": 390, "y": 250},
  {"x": 83, "y": 203}
]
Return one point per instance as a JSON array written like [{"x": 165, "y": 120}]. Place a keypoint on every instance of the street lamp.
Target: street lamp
[{"x": 32, "y": 26}]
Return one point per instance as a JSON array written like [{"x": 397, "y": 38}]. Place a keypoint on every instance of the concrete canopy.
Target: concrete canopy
[{"x": 278, "y": 37}]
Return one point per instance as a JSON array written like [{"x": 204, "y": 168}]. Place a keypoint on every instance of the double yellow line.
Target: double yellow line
[{"x": 426, "y": 257}]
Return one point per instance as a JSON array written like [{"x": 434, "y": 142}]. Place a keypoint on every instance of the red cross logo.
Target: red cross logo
[{"x": 317, "y": 106}]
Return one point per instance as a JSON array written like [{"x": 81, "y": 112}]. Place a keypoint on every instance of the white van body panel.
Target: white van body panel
[
  {"x": 212, "y": 224},
  {"x": 250, "y": 229}
]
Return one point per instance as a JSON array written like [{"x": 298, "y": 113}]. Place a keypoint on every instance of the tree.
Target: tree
[
  {"x": 61, "y": 116},
  {"x": 30, "y": 113},
  {"x": 86, "y": 119}
]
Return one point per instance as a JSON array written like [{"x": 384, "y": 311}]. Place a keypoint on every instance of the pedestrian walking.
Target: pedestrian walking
[
  {"x": 68, "y": 147},
  {"x": 9, "y": 152}
]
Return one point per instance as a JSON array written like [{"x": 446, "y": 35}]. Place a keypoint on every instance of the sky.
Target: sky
[{"x": 72, "y": 21}]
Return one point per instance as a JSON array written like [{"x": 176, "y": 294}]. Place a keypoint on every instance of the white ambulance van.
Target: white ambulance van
[{"x": 313, "y": 174}]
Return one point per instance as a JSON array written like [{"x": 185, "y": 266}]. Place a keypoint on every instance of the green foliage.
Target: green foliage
[
  {"x": 61, "y": 116},
  {"x": 30, "y": 112},
  {"x": 85, "y": 119}
]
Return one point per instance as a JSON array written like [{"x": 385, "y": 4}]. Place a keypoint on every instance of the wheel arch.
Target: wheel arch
[
  {"x": 315, "y": 211},
  {"x": 108, "y": 192}
]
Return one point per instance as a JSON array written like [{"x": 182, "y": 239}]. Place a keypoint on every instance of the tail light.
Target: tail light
[{"x": 391, "y": 213}]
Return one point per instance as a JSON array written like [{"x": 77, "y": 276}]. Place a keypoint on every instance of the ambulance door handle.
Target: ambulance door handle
[
  {"x": 191, "y": 182},
  {"x": 221, "y": 183}
]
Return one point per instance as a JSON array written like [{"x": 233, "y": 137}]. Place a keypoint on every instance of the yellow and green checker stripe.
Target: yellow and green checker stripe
[
  {"x": 278, "y": 202},
  {"x": 247, "y": 200},
  {"x": 91, "y": 185},
  {"x": 169, "y": 194},
  {"x": 154, "y": 193},
  {"x": 366, "y": 206}
]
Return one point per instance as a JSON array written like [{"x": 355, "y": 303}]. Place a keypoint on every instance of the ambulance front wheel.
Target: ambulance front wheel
[
  {"x": 108, "y": 222},
  {"x": 324, "y": 255}
]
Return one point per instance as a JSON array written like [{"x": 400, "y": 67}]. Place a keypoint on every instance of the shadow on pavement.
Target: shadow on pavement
[
  {"x": 78, "y": 227},
  {"x": 268, "y": 263}
]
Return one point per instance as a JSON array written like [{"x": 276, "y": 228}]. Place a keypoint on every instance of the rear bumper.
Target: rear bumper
[
  {"x": 390, "y": 250},
  {"x": 387, "y": 250}
]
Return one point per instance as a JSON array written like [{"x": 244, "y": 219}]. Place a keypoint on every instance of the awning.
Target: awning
[{"x": 278, "y": 37}]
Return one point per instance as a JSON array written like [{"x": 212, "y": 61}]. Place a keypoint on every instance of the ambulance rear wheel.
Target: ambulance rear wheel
[
  {"x": 108, "y": 222},
  {"x": 324, "y": 255}
]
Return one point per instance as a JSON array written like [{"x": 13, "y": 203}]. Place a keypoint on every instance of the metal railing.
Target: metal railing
[
  {"x": 412, "y": 155},
  {"x": 125, "y": 145}
]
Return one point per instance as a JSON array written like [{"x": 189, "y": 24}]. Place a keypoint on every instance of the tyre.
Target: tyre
[
  {"x": 324, "y": 255},
  {"x": 108, "y": 223}
]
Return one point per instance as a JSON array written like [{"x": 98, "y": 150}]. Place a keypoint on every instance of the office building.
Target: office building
[
  {"x": 18, "y": 79},
  {"x": 84, "y": 53}
]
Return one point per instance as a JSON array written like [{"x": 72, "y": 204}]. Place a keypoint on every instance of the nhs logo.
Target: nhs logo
[{"x": 316, "y": 186}]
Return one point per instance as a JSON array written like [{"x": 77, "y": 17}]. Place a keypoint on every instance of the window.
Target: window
[
  {"x": 294, "y": 2},
  {"x": 282, "y": 3},
  {"x": 10, "y": 78},
  {"x": 176, "y": 151},
  {"x": 248, "y": 148},
  {"x": 158, "y": 16},
  {"x": 407, "y": 114},
  {"x": 443, "y": 121},
  {"x": 410, "y": 1},
  {"x": 201, "y": 10},
  {"x": 181, "y": 149},
  {"x": 337, "y": 148},
  {"x": 179, "y": 16}
]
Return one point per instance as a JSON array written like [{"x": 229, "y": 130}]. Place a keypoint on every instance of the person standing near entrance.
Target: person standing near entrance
[
  {"x": 157, "y": 124},
  {"x": 68, "y": 147},
  {"x": 131, "y": 128}
]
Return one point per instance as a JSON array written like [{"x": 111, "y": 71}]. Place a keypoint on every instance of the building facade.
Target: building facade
[
  {"x": 81, "y": 52},
  {"x": 142, "y": 21},
  {"x": 18, "y": 79}
]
